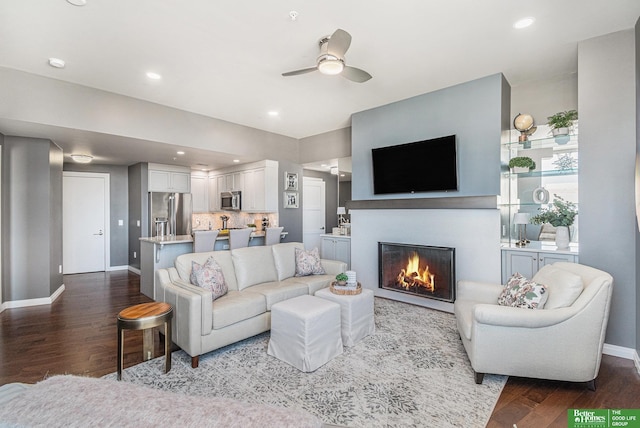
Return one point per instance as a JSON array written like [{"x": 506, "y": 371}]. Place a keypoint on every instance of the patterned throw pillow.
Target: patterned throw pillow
[
  {"x": 210, "y": 277},
  {"x": 523, "y": 293},
  {"x": 308, "y": 263}
]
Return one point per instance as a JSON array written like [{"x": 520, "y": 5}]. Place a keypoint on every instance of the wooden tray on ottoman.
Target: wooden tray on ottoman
[{"x": 349, "y": 292}]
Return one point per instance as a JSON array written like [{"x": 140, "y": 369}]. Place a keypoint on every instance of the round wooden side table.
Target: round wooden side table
[{"x": 145, "y": 317}]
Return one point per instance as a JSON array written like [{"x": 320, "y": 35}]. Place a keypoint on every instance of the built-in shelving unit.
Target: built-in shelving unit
[{"x": 556, "y": 172}]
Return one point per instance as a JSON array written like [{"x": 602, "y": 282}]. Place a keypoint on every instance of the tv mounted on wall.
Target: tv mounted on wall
[{"x": 421, "y": 166}]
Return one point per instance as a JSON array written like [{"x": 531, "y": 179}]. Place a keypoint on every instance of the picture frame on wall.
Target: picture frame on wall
[
  {"x": 290, "y": 181},
  {"x": 291, "y": 199}
]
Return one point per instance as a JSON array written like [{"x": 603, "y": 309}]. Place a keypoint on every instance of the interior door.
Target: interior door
[
  {"x": 313, "y": 215},
  {"x": 85, "y": 222}
]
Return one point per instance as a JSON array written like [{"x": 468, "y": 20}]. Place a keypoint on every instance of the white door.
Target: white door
[
  {"x": 313, "y": 213},
  {"x": 85, "y": 216}
]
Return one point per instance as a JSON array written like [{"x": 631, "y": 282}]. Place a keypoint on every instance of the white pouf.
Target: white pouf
[
  {"x": 356, "y": 314},
  {"x": 305, "y": 332}
]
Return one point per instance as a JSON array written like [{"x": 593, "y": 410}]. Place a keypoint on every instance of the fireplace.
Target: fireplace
[{"x": 418, "y": 270}]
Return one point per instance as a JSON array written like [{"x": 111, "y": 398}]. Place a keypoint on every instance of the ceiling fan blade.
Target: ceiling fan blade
[
  {"x": 303, "y": 71},
  {"x": 355, "y": 74},
  {"x": 338, "y": 43}
]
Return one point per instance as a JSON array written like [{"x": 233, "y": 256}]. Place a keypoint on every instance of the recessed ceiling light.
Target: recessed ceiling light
[
  {"x": 236, "y": 160},
  {"x": 180, "y": 152},
  {"x": 56, "y": 62},
  {"x": 153, "y": 76},
  {"x": 273, "y": 113},
  {"x": 523, "y": 23},
  {"x": 81, "y": 158},
  {"x": 77, "y": 2}
]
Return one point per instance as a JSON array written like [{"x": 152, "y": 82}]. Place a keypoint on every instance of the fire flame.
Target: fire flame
[{"x": 414, "y": 276}]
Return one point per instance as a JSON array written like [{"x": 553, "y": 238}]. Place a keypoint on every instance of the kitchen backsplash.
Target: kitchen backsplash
[{"x": 236, "y": 219}]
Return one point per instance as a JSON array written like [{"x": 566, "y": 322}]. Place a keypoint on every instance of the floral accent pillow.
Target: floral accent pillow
[
  {"x": 210, "y": 277},
  {"x": 308, "y": 263},
  {"x": 523, "y": 293}
]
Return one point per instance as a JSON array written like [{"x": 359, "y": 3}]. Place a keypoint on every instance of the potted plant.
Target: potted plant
[
  {"x": 521, "y": 164},
  {"x": 561, "y": 122},
  {"x": 251, "y": 226},
  {"x": 342, "y": 278},
  {"x": 561, "y": 215}
]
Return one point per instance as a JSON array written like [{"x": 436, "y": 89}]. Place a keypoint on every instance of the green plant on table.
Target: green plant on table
[
  {"x": 560, "y": 213},
  {"x": 342, "y": 277},
  {"x": 563, "y": 119}
]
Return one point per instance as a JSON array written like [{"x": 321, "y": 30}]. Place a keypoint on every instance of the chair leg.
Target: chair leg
[
  {"x": 195, "y": 361},
  {"x": 479, "y": 377},
  {"x": 591, "y": 385}
]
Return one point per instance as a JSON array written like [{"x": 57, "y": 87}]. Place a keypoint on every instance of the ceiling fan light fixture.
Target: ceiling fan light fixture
[
  {"x": 82, "y": 158},
  {"x": 330, "y": 65}
]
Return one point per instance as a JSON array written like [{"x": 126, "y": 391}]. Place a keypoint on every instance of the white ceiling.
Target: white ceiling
[{"x": 225, "y": 59}]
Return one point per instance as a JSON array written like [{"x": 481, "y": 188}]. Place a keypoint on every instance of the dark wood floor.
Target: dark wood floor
[{"x": 77, "y": 335}]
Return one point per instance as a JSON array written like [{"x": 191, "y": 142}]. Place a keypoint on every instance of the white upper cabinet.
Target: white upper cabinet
[
  {"x": 257, "y": 181},
  {"x": 200, "y": 192},
  {"x": 169, "y": 178}
]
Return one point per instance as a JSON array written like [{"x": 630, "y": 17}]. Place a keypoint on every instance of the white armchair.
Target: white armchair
[{"x": 560, "y": 343}]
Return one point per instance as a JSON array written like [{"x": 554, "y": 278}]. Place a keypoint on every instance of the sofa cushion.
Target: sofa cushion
[
  {"x": 210, "y": 277},
  {"x": 275, "y": 292},
  {"x": 284, "y": 256},
  {"x": 223, "y": 258},
  {"x": 313, "y": 282},
  {"x": 564, "y": 287},
  {"x": 308, "y": 262},
  {"x": 237, "y": 306},
  {"x": 253, "y": 265}
]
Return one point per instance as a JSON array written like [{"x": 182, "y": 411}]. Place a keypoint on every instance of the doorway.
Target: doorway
[
  {"x": 313, "y": 214},
  {"x": 85, "y": 216}
]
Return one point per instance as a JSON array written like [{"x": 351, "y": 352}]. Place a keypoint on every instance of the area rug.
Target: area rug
[{"x": 413, "y": 372}]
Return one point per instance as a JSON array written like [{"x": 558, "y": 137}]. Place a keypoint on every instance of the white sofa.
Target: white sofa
[
  {"x": 257, "y": 277},
  {"x": 563, "y": 341}
]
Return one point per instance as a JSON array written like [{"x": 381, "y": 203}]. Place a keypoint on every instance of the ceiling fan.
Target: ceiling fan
[{"x": 331, "y": 59}]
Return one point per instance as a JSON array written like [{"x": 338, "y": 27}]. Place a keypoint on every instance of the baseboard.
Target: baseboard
[
  {"x": 111, "y": 268},
  {"x": 636, "y": 361},
  {"x": 134, "y": 270},
  {"x": 34, "y": 302},
  {"x": 620, "y": 351}
]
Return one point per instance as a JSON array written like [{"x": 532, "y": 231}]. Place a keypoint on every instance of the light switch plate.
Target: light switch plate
[{"x": 120, "y": 222}]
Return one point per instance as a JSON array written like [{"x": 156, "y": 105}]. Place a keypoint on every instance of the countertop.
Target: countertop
[
  {"x": 331, "y": 235},
  {"x": 544, "y": 246},
  {"x": 181, "y": 239}
]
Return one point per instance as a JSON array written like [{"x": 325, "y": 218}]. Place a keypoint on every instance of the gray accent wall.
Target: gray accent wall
[
  {"x": 608, "y": 108},
  {"x": 290, "y": 218},
  {"x": 138, "y": 210},
  {"x": 474, "y": 111},
  {"x": 328, "y": 145},
  {"x": 31, "y": 218},
  {"x": 118, "y": 207}
]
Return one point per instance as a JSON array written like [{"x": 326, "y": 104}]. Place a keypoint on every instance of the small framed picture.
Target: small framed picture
[
  {"x": 290, "y": 181},
  {"x": 291, "y": 199}
]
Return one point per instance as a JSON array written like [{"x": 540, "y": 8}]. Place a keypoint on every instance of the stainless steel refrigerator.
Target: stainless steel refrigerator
[{"x": 169, "y": 212}]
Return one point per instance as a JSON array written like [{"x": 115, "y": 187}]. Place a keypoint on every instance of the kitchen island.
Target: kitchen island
[{"x": 157, "y": 253}]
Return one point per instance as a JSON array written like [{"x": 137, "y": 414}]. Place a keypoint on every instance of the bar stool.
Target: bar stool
[
  {"x": 239, "y": 238},
  {"x": 144, "y": 317},
  {"x": 204, "y": 240},
  {"x": 272, "y": 235}
]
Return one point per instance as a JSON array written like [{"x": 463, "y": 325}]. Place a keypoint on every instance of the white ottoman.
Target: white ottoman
[
  {"x": 356, "y": 314},
  {"x": 305, "y": 332}
]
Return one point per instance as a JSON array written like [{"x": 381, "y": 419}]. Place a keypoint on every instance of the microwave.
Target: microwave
[{"x": 230, "y": 201}]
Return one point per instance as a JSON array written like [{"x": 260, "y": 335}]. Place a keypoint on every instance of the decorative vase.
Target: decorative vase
[
  {"x": 561, "y": 135},
  {"x": 519, "y": 170},
  {"x": 342, "y": 283},
  {"x": 562, "y": 237}
]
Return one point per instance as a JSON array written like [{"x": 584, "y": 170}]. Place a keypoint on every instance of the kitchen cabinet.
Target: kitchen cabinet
[
  {"x": 337, "y": 247},
  {"x": 528, "y": 260},
  {"x": 214, "y": 193},
  {"x": 169, "y": 178},
  {"x": 257, "y": 181},
  {"x": 200, "y": 192}
]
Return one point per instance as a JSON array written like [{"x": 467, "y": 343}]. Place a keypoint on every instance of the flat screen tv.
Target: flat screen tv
[{"x": 421, "y": 166}]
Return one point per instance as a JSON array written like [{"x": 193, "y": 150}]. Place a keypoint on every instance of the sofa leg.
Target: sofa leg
[
  {"x": 195, "y": 361},
  {"x": 591, "y": 385},
  {"x": 479, "y": 377}
]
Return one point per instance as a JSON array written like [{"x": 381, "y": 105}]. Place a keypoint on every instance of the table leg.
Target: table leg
[
  {"x": 167, "y": 346},
  {"x": 147, "y": 344},
  {"x": 120, "y": 352}
]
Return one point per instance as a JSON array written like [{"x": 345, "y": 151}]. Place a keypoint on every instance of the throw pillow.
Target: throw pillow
[
  {"x": 523, "y": 293},
  {"x": 308, "y": 262},
  {"x": 210, "y": 277}
]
